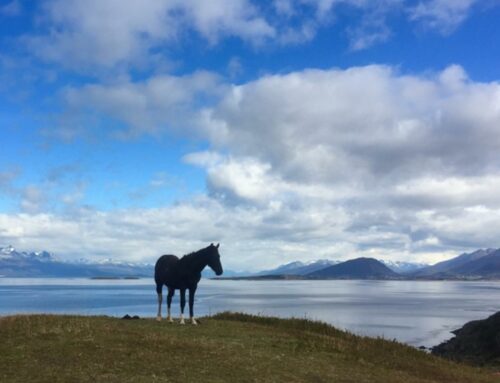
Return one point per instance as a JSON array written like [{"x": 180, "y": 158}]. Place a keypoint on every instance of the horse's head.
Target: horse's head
[{"x": 214, "y": 259}]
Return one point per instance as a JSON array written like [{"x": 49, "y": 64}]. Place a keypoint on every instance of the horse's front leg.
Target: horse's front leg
[
  {"x": 191, "y": 304},
  {"x": 183, "y": 304}
]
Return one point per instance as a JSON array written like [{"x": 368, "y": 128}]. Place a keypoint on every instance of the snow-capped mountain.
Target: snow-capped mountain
[
  {"x": 10, "y": 252},
  {"x": 15, "y": 263},
  {"x": 401, "y": 267},
  {"x": 299, "y": 268}
]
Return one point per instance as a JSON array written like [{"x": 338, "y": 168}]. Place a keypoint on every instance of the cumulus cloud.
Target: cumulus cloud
[
  {"x": 311, "y": 164},
  {"x": 146, "y": 107},
  {"x": 106, "y": 33},
  {"x": 241, "y": 179},
  {"x": 366, "y": 125},
  {"x": 382, "y": 146},
  {"x": 365, "y": 159}
]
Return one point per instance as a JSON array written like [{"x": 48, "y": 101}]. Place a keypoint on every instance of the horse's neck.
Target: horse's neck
[{"x": 199, "y": 262}]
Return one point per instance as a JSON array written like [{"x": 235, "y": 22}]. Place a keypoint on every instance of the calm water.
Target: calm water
[{"x": 417, "y": 313}]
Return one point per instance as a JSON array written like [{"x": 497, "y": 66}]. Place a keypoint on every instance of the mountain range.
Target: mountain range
[
  {"x": 299, "y": 268},
  {"x": 15, "y": 263},
  {"x": 480, "y": 264}
]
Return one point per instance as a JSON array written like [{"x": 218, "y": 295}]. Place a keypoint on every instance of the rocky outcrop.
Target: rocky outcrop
[{"x": 477, "y": 342}]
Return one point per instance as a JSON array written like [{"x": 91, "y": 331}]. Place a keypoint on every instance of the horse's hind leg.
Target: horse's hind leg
[
  {"x": 183, "y": 304},
  {"x": 170, "y": 295},
  {"x": 159, "y": 288}
]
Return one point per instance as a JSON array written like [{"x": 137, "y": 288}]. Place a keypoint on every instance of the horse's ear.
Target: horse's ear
[
  {"x": 217, "y": 246},
  {"x": 212, "y": 244}
]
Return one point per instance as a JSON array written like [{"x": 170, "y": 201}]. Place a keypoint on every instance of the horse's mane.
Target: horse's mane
[{"x": 194, "y": 254}]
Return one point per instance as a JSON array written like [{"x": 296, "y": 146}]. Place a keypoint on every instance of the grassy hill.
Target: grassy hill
[{"x": 224, "y": 348}]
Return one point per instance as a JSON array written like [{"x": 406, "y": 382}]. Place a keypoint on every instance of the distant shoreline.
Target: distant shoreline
[
  {"x": 113, "y": 278},
  {"x": 286, "y": 277}
]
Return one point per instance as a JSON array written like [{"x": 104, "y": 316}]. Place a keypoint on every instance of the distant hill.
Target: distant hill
[
  {"x": 14, "y": 263},
  {"x": 445, "y": 266},
  {"x": 298, "y": 268},
  {"x": 359, "y": 268},
  {"x": 480, "y": 264},
  {"x": 486, "y": 266}
]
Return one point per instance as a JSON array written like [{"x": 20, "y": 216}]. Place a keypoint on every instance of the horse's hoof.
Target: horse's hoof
[
  {"x": 182, "y": 321},
  {"x": 193, "y": 322},
  {"x": 170, "y": 320},
  {"x": 158, "y": 319}
]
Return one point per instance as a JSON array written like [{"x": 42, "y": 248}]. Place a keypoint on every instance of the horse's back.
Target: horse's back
[{"x": 163, "y": 264}]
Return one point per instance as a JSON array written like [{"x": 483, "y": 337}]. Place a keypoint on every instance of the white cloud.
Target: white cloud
[
  {"x": 228, "y": 18},
  {"x": 365, "y": 159},
  {"x": 370, "y": 24},
  {"x": 254, "y": 237},
  {"x": 102, "y": 35},
  {"x": 83, "y": 34},
  {"x": 429, "y": 192},
  {"x": 442, "y": 15},
  {"x": 373, "y": 28},
  {"x": 324, "y": 163},
  {"x": 381, "y": 146},
  {"x": 146, "y": 107},
  {"x": 243, "y": 179},
  {"x": 366, "y": 125},
  {"x": 250, "y": 238}
]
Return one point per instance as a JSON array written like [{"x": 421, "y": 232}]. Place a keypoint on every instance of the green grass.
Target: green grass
[{"x": 224, "y": 348}]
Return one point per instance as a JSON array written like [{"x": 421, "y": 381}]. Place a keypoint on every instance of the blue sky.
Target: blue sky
[{"x": 283, "y": 129}]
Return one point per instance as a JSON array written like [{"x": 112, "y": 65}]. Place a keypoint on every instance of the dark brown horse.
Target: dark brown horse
[{"x": 182, "y": 274}]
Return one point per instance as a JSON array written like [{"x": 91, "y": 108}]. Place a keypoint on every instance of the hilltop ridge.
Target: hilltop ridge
[{"x": 227, "y": 347}]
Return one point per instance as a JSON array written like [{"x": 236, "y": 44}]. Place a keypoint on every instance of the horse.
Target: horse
[{"x": 182, "y": 274}]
